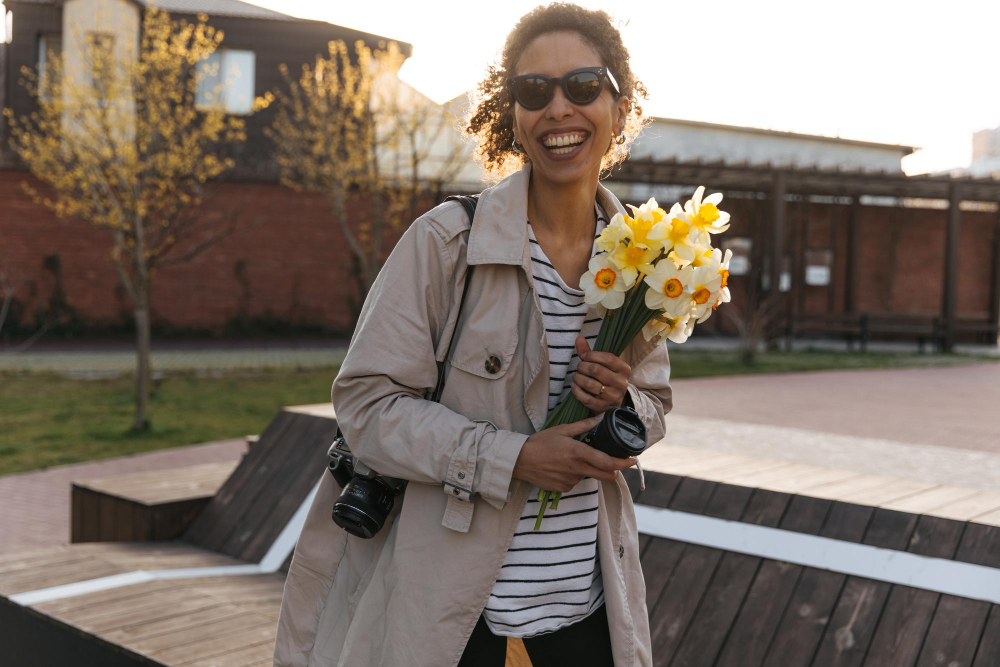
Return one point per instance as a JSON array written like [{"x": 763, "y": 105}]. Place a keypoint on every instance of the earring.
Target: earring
[
  {"x": 620, "y": 139},
  {"x": 516, "y": 147}
]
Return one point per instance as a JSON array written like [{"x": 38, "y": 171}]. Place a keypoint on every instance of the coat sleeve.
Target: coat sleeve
[
  {"x": 390, "y": 367},
  {"x": 650, "y": 392}
]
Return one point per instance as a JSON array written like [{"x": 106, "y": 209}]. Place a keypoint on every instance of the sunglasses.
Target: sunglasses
[{"x": 581, "y": 86}]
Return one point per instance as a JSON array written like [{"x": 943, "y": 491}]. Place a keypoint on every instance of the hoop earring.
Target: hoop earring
[
  {"x": 516, "y": 147},
  {"x": 620, "y": 139}
]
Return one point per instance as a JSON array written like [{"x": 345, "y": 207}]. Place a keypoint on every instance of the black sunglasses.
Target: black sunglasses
[{"x": 581, "y": 86}]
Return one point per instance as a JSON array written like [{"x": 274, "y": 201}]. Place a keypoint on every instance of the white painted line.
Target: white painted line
[
  {"x": 940, "y": 575},
  {"x": 275, "y": 556}
]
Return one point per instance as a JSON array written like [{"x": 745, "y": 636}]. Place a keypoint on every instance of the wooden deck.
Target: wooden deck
[
  {"x": 707, "y": 606},
  {"x": 896, "y": 493}
]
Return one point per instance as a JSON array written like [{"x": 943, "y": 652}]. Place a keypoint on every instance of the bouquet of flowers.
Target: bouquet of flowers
[{"x": 656, "y": 273}]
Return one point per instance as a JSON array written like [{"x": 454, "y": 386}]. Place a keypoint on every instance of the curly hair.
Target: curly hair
[{"x": 490, "y": 123}]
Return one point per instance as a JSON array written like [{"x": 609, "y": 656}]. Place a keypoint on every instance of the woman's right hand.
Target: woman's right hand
[{"x": 552, "y": 459}]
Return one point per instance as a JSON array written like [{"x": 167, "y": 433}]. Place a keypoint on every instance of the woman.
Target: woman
[{"x": 456, "y": 566}]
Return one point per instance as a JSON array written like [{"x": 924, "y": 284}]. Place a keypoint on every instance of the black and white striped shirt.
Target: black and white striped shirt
[{"x": 551, "y": 577}]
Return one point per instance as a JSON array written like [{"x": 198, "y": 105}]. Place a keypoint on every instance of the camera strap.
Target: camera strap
[{"x": 468, "y": 202}]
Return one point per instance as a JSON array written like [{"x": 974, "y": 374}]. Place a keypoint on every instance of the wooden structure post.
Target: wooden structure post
[
  {"x": 778, "y": 189},
  {"x": 853, "y": 266},
  {"x": 949, "y": 295},
  {"x": 995, "y": 275}
]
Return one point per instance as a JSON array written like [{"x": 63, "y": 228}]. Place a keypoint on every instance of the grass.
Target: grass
[{"x": 48, "y": 419}]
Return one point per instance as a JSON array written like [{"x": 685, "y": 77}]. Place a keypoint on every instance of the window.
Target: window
[
  {"x": 49, "y": 49},
  {"x": 227, "y": 81}
]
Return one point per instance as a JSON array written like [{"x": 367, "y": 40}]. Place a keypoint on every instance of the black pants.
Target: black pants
[{"x": 584, "y": 643}]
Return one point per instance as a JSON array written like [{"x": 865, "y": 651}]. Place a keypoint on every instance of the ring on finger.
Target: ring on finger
[{"x": 601, "y": 391}]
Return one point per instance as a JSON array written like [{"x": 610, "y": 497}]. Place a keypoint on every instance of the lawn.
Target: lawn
[{"x": 47, "y": 419}]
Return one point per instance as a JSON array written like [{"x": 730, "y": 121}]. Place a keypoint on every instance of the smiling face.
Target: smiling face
[{"x": 566, "y": 141}]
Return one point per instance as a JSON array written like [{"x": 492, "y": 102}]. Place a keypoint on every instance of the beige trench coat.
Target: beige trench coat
[{"x": 411, "y": 596}]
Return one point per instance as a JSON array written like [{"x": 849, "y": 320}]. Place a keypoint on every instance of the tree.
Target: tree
[
  {"x": 120, "y": 143},
  {"x": 348, "y": 127}
]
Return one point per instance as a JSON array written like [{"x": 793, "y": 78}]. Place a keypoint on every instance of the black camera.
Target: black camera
[
  {"x": 367, "y": 497},
  {"x": 620, "y": 434}
]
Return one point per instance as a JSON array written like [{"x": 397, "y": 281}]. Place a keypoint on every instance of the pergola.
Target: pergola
[{"x": 778, "y": 180}]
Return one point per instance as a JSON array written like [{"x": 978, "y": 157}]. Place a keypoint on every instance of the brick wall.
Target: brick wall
[{"x": 290, "y": 262}]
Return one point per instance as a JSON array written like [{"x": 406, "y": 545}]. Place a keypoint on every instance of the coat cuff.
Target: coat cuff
[
  {"x": 635, "y": 400},
  {"x": 498, "y": 475}
]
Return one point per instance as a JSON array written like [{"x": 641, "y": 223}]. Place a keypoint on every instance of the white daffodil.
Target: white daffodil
[
  {"x": 705, "y": 285},
  {"x": 685, "y": 240},
  {"x": 649, "y": 225},
  {"x": 705, "y": 215},
  {"x": 617, "y": 232},
  {"x": 668, "y": 288},
  {"x": 677, "y": 329},
  {"x": 603, "y": 284},
  {"x": 722, "y": 265},
  {"x": 633, "y": 260}
]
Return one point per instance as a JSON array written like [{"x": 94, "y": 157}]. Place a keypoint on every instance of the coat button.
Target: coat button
[
  {"x": 455, "y": 491},
  {"x": 621, "y": 551},
  {"x": 493, "y": 364},
  {"x": 461, "y": 475}
]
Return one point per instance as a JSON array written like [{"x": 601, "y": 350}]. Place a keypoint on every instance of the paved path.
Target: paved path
[
  {"x": 36, "y": 504},
  {"x": 946, "y": 406}
]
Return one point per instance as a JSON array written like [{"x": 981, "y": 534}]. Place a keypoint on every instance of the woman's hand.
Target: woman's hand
[
  {"x": 552, "y": 459},
  {"x": 597, "y": 369}
]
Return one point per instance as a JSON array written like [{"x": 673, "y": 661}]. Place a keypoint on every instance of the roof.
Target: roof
[
  {"x": 210, "y": 7},
  {"x": 791, "y": 135},
  {"x": 804, "y": 179}
]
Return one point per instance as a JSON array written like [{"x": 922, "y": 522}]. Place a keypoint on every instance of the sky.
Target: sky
[
  {"x": 922, "y": 74},
  {"x": 916, "y": 73}
]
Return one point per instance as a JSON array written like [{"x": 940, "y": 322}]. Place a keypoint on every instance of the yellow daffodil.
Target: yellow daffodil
[
  {"x": 705, "y": 285},
  {"x": 603, "y": 284},
  {"x": 617, "y": 232},
  {"x": 705, "y": 215},
  {"x": 722, "y": 265},
  {"x": 668, "y": 288},
  {"x": 633, "y": 260},
  {"x": 686, "y": 241},
  {"x": 648, "y": 225}
]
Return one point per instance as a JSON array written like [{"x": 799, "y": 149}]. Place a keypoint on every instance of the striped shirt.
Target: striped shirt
[{"x": 551, "y": 577}]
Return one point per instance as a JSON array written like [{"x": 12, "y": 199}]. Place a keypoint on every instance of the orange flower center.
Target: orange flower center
[
  {"x": 725, "y": 277},
  {"x": 605, "y": 278},
  {"x": 701, "y": 295},
  {"x": 673, "y": 288}
]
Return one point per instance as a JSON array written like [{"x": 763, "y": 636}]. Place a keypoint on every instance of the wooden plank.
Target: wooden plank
[
  {"x": 141, "y": 629},
  {"x": 183, "y": 607},
  {"x": 203, "y": 531},
  {"x": 707, "y": 463},
  {"x": 765, "y": 479},
  {"x": 734, "y": 475},
  {"x": 775, "y": 581},
  {"x": 811, "y": 604},
  {"x": 794, "y": 483},
  {"x": 206, "y": 630},
  {"x": 133, "y": 604},
  {"x": 44, "y": 577},
  {"x": 895, "y": 490},
  {"x": 981, "y": 503},
  {"x": 907, "y": 614},
  {"x": 931, "y": 499},
  {"x": 988, "y": 653},
  {"x": 252, "y": 530},
  {"x": 844, "y": 488},
  {"x": 63, "y": 605},
  {"x": 216, "y": 646},
  {"x": 847, "y": 636},
  {"x": 672, "y": 613},
  {"x": 239, "y": 658},
  {"x": 957, "y": 626}
]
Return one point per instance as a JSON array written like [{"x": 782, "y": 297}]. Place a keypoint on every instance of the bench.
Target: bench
[
  {"x": 154, "y": 505},
  {"x": 863, "y": 327}
]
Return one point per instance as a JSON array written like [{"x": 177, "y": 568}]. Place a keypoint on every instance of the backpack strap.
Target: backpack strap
[{"x": 468, "y": 202}]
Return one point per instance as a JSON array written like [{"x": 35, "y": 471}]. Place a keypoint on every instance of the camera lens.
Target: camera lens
[{"x": 363, "y": 506}]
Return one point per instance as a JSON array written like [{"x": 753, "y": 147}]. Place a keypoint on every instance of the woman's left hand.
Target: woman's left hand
[{"x": 601, "y": 378}]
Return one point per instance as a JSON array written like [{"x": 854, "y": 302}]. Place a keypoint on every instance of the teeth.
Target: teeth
[{"x": 555, "y": 141}]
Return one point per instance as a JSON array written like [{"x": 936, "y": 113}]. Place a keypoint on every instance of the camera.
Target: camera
[
  {"x": 620, "y": 434},
  {"x": 367, "y": 497}
]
